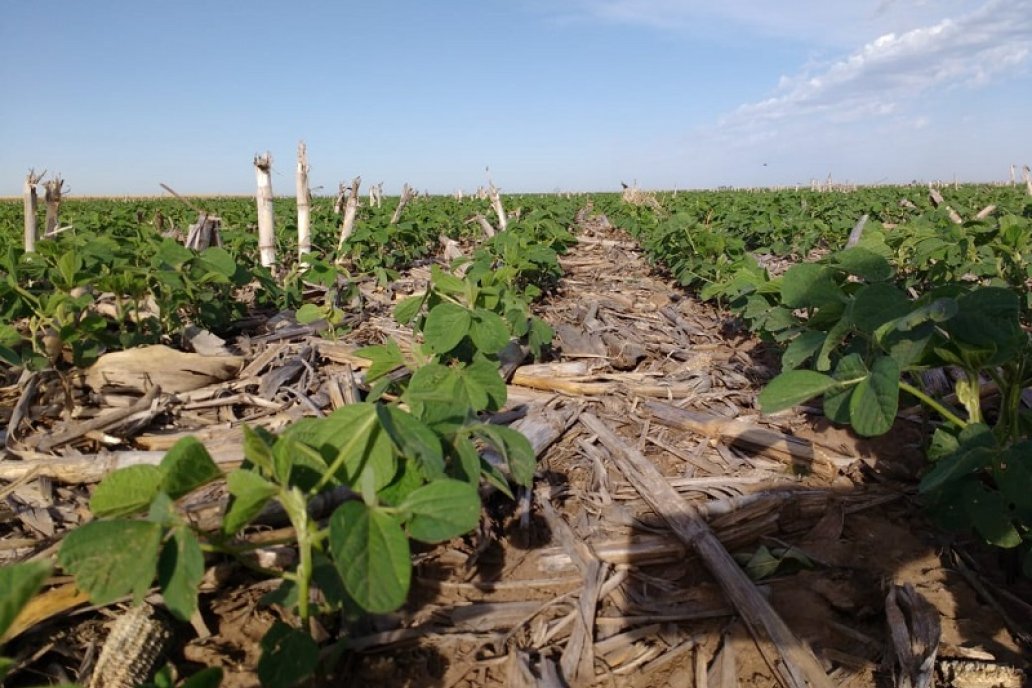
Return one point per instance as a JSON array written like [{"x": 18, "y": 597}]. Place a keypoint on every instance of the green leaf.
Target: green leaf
[
  {"x": 442, "y": 510},
  {"x": 482, "y": 385},
  {"x": 488, "y": 331},
  {"x": 210, "y": 677},
  {"x": 836, "y": 334},
  {"x": 112, "y": 559},
  {"x": 864, "y": 263},
  {"x": 539, "y": 336},
  {"x": 172, "y": 254},
  {"x": 162, "y": 511},
  {"x": 6, "y": 664},
  {"x": 764, "y": 562},
  {"x": 371, "y": 553},
  {"x": 876, "y": 304},
  {"x": 362, "y": 446},
  {"x": 850, "y": 371},
  {"x": 309, "y": 313},
  {"x": 257, "y": 449},
  {"x": 446, "y": 282},
  {"x": 327, "y": 579},
  {"x": 989, "y": 318},
  {"x": 955, "y": 467},
  {"x": 408, "y": 479},
  {"x": 467, "y": 468},
  {"x": 809, "y": 285},
  {"x": 794, "y": 387},
  {"x": 432, "y": 383},
  {"x": 943, "y": 444},
  {"x": 18, "y": 583},
  {"x": 180, "y": 570},
  {"x": 875, "y": 401},
  {"x": 250, "y": 493},
  {"x": 990, "y": 516},
  {"x": 126, "y": 491},
  {"x": 413, "y": 439},
  {"x": 384, "y": 357},
  {"x": 408, "y": 308},
  {"x": 910, "y": 347},
  {"x": 801, "y": 349},
  {"x": 289, "y": 656},
  {"x": 68, "y": 266},
  {"x": 303, "y": 465},
  {"x": 218, "y": 259},
  {"x": 9, "y": 356},
  {"x": 938, "y": 311},
  {"x": 1013, "y": 475},
  {"x": 515, "y": 449},
  {"x": 187, "y": 466},
  {"x": 446, "y": 325}
]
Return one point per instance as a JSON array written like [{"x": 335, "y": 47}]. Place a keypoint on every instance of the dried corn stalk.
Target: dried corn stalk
[
  {"x": 31, "y": 203},
  {"x": 52, "y": 192},
  {"x": 304, "y": 203},
  {"x": 350, "y": 208},
  {"x": 266, "y": 222}
]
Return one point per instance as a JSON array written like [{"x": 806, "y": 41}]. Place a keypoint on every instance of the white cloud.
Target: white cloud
[
  {"x": 842, "y": 22},
  {"x": 897, "y": 69},
  {"x": 889, "y": 104}
]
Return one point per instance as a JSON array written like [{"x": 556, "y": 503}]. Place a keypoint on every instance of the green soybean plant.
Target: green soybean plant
[
  {"x": 859, "y": 341},
  {"x": 405, "y": 476}
]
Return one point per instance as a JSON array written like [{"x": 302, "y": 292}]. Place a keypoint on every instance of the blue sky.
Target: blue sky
[{"x": 576, "y": 95}]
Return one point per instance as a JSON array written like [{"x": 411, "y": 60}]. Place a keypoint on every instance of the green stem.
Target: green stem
[
  {"x": 1011, "y": 386},
  {"x": 933, "y": 404},
  {"x": 304, "y": 577},
  {"x": 973, "y": 399},
  {"x": 294, "y": 504}
]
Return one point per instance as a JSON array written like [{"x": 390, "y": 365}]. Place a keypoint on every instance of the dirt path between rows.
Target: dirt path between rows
[{"x": 501, "y": 610}]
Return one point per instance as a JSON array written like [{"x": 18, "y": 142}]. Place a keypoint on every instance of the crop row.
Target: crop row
[
  {"x": 117, "y": 275},
  {"x": 864, "y": 323},
  {"x": 410, "y": 456}
]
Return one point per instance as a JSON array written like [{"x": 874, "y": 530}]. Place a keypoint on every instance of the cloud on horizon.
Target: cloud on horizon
[
  {"x": 896, "y": 70},
  {"x": 886, "y": 106},
  {"x": 843, "y": 23}
]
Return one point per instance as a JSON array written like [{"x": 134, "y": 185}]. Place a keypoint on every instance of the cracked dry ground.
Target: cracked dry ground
[
  {"x": 582, "y": 582},
  {"x": 590, "y": 587}
]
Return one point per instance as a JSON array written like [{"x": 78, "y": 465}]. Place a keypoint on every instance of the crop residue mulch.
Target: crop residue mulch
[{"x": 581, "y": 582}]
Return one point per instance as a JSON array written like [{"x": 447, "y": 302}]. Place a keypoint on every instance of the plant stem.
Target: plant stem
[
  {"x": 304, "y": 574},
  {"x": 294, "y": 504},
  {"x": 933, "y": 404}
]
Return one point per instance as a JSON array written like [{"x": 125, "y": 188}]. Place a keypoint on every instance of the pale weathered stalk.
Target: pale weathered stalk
[
  {"x": 376, "y": 195},
  {"x": 407, "y": 194},
  {"x": 266, "y": 221},
  {"x": 31, "y": 204},
  {"x": 342, "y": 197},
  {"x": 485, "y": 224},
  {"x": 937, "y": 200},
  {"x": 496, "y": 203},
  {"x": 304, "y": 203},
  {"x": 1014, "y": 179},
  {"x": 1028, "y": 180},
  {"x": 350, "y": 212},
  {"x": 858, "y": 230},
  {"x": 52, "y": 191}
]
